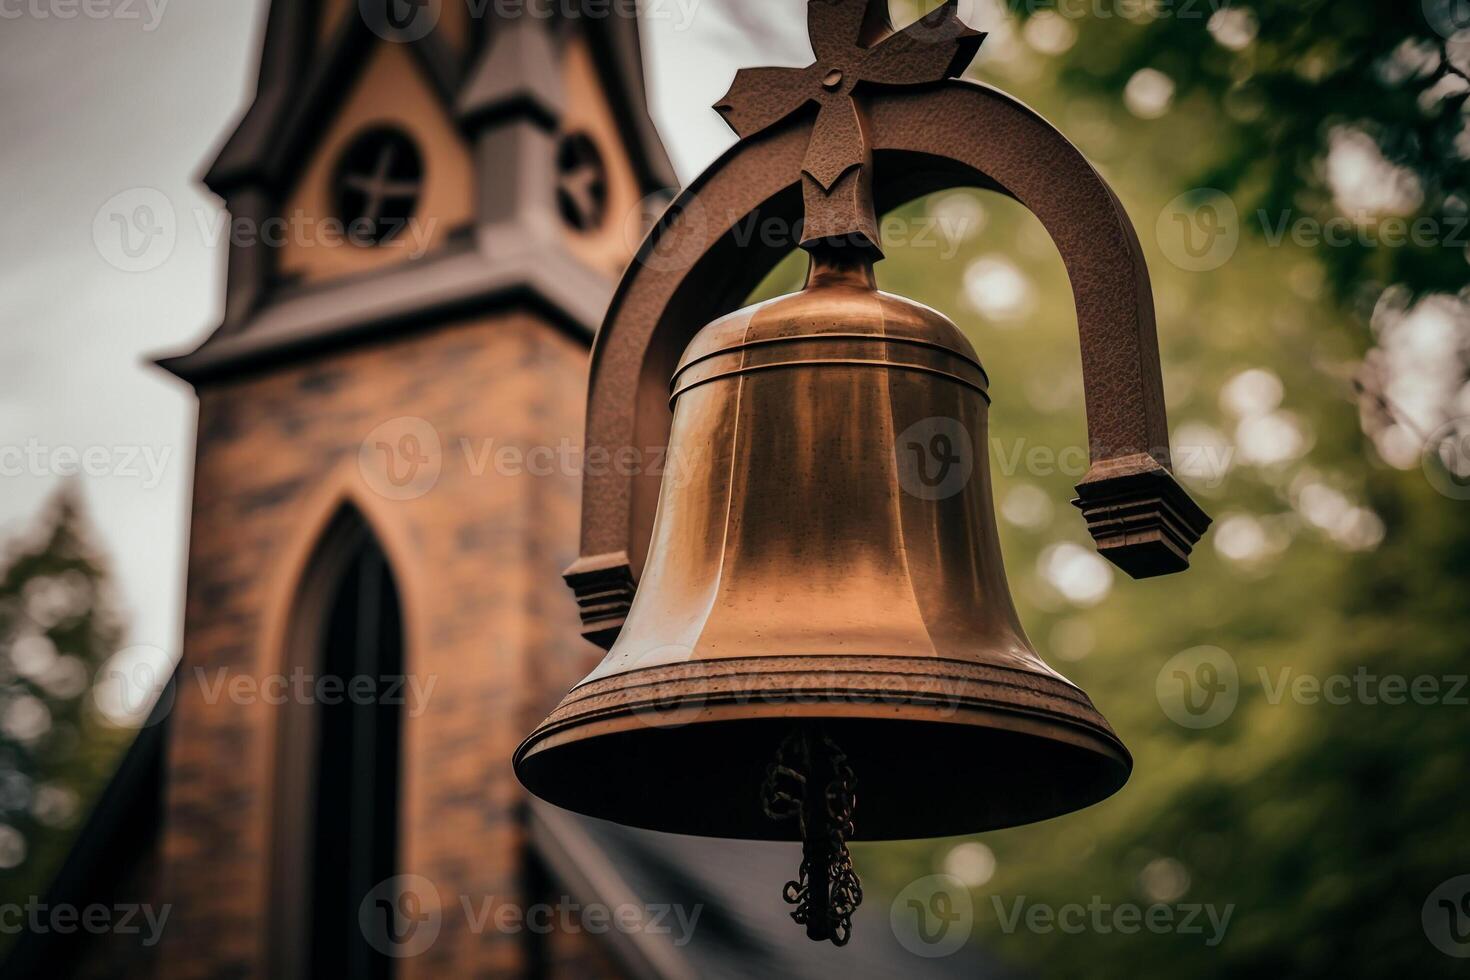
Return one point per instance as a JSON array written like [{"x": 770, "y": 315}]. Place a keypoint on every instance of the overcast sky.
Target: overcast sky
[{"x": 132, "y": 97}]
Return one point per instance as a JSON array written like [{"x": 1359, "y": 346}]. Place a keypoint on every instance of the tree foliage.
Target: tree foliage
[
  {"x": 57, "y": 628},
  {"x": 1324, "y": 823}
]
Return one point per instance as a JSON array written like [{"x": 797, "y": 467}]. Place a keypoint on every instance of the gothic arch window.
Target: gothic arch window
[{"x": 338, "y": 760}]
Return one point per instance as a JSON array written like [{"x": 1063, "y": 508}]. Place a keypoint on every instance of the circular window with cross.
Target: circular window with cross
[
  {"x": 377, "y": 185},
  {"x": 581, "y": 184}
]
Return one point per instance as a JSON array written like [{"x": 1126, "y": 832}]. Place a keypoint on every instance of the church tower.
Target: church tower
[{"x": 430, "y": 208}]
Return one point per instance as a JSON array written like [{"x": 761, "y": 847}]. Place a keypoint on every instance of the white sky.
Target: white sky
[{"x": 97, "y": 106}]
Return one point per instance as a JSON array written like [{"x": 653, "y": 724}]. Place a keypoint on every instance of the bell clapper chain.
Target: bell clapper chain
[{"x": 812, "y": 781}]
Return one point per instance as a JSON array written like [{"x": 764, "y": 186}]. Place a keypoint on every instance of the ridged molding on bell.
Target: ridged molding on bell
[{"x": 813, "y": 563}]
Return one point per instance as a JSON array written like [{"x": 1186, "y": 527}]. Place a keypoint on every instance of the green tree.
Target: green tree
[
  {"x": 1304, "y": 381},
  {"x": 57, "y": 627}
]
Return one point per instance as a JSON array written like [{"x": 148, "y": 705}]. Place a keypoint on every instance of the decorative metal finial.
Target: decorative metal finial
[{"x": 855, "y": 46}]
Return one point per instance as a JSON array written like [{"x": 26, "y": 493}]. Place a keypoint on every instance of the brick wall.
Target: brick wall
[{"x": 477, "y": 558}]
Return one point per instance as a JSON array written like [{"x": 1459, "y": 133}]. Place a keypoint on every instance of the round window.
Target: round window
[
  {"x": 377, "y": 185},
  {"x": 581, "y": 187}
]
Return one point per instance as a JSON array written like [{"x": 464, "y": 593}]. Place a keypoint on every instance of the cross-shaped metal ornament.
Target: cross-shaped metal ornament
[
  {"x": 856, "y": 47},
  {"x": 378, "y": 187},
  {"x": 581, "y": 184}
]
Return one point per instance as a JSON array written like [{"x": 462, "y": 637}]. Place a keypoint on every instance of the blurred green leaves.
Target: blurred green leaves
[
  {"x": 1324, "y": 826},
  {"x": 57, "y": 628}
]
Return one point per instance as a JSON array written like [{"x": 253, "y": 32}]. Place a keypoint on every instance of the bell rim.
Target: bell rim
[
  {"x": 1038, "y": 686},
  {"x": 1046, "y": 710},
  {"x": 1035, "y": 723}
]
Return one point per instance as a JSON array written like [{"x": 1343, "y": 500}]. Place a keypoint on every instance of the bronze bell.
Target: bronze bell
[{"x": 824, "y": 590}]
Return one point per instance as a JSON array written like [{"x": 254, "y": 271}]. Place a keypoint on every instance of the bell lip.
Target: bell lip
[
  {"x": 549, "y": 737},
  {"x": 1079, "y": 735},
  {"x": 1111, "y": 759}
]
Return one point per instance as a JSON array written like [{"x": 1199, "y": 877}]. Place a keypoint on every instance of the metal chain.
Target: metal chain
[{"x": 827, "y": 889}]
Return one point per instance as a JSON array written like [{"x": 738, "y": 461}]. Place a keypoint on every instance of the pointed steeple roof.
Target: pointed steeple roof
[{"x": 505, "y": 77}]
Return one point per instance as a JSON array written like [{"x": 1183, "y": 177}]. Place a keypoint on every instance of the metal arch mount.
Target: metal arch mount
[{"x": 701, "y": 260}]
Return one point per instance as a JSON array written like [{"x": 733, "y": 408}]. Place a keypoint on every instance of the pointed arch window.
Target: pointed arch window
[
  {"x": 356, "y": 826},
  {"x": 339, "y": 761}
]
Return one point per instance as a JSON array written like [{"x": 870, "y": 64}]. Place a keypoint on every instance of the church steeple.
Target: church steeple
[
  {"x": 430, "y": 219},
  {"x": 518, "y": 150}
]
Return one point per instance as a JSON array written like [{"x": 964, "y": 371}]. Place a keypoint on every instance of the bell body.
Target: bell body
[{"x": 825, "y": 555}]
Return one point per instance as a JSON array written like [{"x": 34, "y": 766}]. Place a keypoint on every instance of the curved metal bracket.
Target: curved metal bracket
[{"x": 740, "y": 217}]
